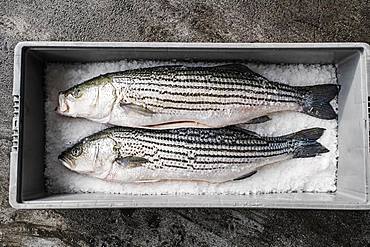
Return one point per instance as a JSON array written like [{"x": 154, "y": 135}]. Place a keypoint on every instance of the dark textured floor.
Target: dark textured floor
[{"x": 174, "y": 20}]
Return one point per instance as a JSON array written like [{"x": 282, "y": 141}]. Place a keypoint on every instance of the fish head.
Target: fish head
[
  {"x": 93, "y": 156},
  {"x": 92, "y": 99}
]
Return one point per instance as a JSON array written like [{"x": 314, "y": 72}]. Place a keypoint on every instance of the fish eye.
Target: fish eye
[
  {"x": 77, "y": 93},
  {"x": 76, "y": 151}
]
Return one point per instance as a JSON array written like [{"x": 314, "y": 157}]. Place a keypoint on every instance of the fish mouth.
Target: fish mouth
[
  {"x": 66, "y": 162},
  {"x": 63, "y": 107}
]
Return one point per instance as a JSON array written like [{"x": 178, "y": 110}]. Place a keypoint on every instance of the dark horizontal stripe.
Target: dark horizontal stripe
[
  {"x": 269, "y": 153},
  {"x": 156, "y": 166},
  {"x": 210, "y": 134},
  {"x": 279, "y": 87},
  {"x": 215, "y": 162},
  {"x": 214, "y": 147},
  {"x": 225, "y": 155},
  {"x": 277, "y": 97},
  {"x": 203, "y": 108},
  {"x": 221, "y": 134},
  {"x": 198, "y": 134},
  {"x": 215, "y": 77},
  {"x": 203, "y": 141},
  {"x": 187, "y": 165},
  {"x": 184, "y": 108},
  {"x": 218, "y": 96},
  {"x": 202, "y": 136},
  {"x": 175, "y": 166},
  {"x": 212, "y": 102},
  {"x": 231, "y": 153},
  {"x": 212, "y": 86}
]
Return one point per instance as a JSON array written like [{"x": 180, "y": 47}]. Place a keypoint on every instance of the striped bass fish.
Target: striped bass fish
[
  {"x": 125, "y": 154},
  {"x": 178, "y": 96}
]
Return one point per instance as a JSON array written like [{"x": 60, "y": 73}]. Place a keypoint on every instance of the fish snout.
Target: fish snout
[
  {"x": 63, "y": 106},
  {"x": 66, "y": 162}
]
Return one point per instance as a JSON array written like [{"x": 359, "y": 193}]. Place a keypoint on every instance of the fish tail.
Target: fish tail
[
  {"x": 307, "y": 145},
  {"x": 317, "y": 100}
]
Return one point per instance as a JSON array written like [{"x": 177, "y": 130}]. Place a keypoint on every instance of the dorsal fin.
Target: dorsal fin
[
  {"x": 234, "y": 67},
  {"x": 240, "y": 68}
]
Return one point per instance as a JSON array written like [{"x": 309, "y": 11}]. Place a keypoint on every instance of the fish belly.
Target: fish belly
[
  {"x": 225, "y": 174},
  {"x": 197, "y": 119}
]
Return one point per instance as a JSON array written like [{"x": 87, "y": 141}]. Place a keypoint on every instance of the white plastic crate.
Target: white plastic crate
[{"x": 27, "y": 182}]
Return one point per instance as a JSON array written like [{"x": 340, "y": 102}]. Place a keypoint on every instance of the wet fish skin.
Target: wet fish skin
[
  {"x": 178, "y": 96},
  {"x": 213, "y": 155}
]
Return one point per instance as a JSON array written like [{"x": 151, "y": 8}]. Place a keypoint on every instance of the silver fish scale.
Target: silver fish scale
[
  {"x": 179, "y": 88},
  {"x": 200, "y": 149}
]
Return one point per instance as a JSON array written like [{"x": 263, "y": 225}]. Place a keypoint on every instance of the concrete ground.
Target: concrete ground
[{"x": 174, "y": 20}]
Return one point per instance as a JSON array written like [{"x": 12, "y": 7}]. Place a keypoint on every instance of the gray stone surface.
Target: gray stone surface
[{"x": 174, "y": 20}]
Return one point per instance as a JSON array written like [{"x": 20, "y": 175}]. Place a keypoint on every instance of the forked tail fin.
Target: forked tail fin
[
  {"x": 317, "y": 100},
  {"x": 307, "y": 143}
]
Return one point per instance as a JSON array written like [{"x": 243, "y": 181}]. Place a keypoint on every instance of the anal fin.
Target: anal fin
[
  {"x": 258, "y": 120},
  {"x": 249, "y": 174}
]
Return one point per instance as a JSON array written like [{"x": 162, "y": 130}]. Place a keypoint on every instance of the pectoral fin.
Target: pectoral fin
[
  {"x": 249, "y": 174},
  {"x": 131, "y": 161},
  {"x": 258, "y": 120},
  {"x": 136, "y": 108}
]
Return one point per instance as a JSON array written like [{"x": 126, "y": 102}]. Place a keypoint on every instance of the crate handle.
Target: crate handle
[{"x": 15, "y": 123}]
